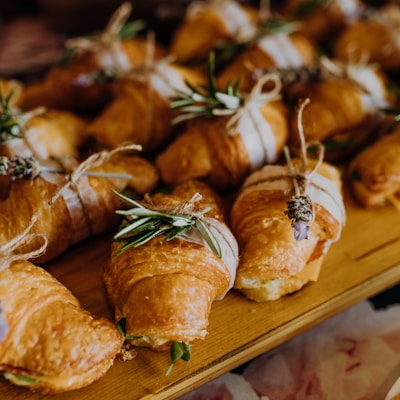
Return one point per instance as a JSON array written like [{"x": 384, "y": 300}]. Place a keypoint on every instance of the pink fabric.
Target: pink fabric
[{"x": 353, "y": 356}]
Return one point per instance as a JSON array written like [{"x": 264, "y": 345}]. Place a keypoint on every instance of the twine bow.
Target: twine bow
[
  {"x": 109, "y": 35},
  {"x": 300, "y": 207},
  {"x": 7, "y": 251},
  {"x": 93, "y": 161},
  {"x": 255, "y": 98}
]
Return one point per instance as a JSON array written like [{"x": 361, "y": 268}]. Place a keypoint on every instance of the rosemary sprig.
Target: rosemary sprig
[
  {"x": 178, "y": 351},
  {"x": 207, "y": 100},
  {"x": 142, "y": 224},
  {"x": 10, "y": 124}
]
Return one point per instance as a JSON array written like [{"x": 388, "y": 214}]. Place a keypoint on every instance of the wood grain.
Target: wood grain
[{"x": 363, "y": 263}]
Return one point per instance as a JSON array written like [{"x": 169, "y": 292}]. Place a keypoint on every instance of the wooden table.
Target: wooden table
[{"x": 363, "y": 263}]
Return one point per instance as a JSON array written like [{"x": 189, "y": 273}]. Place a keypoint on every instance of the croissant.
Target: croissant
[
  {"x": 269, "y": 52},
  {"x": 320, "y": 21},
  {"x": 68, "y": 213},
  {"x": 374, "y": 39},
  {"x": 81, "y": 83},
  {"x": 272, "y": 262},
  {"x": 222, "y": 156},
  {"x": 165, "y": 288},
  {"x": 207, "y": 25},
  {"x": 375, "y": 172},
  {"x": 50, "y": 343},
  {"x": 344, "y": 109},
  {"x": 45, "y": 134},
  {"x": 140, "y": 111}
]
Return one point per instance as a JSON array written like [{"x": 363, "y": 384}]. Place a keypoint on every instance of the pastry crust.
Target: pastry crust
[
  {"x": 140, "y": 111},
  {"x": 206, "y": 150},
  {"x": 209, "y": 24},
  {"x": 343, "y": 112},
  {"x": 271, "y": 260},
  {"x": 50, "y": 338},
  {"x": 375, "y": 172},
  {"x": 165, "y": 288},
  {"x": 51, "y": 133},
  {"x": 83, "y": 209},
  {"x": 270, "y": 52}
]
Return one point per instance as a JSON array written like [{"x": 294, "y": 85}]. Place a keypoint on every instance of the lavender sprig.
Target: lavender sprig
[
  {"x": 300, "y": 208},
  {"x": 19, "y": 167},
  {"x": 300, "y": 211},
  {"x": 3, "y": 324},
  {"x": 30, "y": 168}
]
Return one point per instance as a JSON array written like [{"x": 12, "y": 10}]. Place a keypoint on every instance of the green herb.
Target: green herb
[
  {"x": 178, "y": 351},
  {"x": 306, "y": 7},
  {"x": 207, "y": 100},
  {"x": 20, "y": 379},
  {"x": 131, "y": 29},
  {"x": 337, "y": 144},
  {"x": 276, "y": 25},
  {"x": 10, "y": 124},
  {"x": 121, "y": 327},
  {"x": 141, "y": 224}
]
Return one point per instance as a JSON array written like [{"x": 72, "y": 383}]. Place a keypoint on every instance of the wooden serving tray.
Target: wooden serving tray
[{"x": 363, "y": 263}]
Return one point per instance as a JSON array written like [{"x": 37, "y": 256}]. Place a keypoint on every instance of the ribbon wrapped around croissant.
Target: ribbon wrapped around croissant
[
  {"x": 278, "y": 257},
  {"x": 48, "y": 342},
  {"x": 227, "y": 136},
  {"x": 71, "y": 207},
  {"x": 162, "y": 283}
]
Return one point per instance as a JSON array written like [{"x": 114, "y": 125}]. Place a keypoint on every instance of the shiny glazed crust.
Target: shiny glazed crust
[
  {"x": 50, "y": 337},
  {"x": 165, "y": 289}
]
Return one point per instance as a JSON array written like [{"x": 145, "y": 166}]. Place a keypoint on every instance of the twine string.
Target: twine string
[
  {"x": 92, "y": 161},
  {"x": 256, "y": 98},
  {"x": 110, "y": 33},
  {"x": 7, "y": 251}
]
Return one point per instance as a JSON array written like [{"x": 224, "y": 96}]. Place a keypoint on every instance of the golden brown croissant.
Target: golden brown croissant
[
  {"x": 375, "y": 172},
  {"x": 373, "y": 39},
  {"x": 321, "y": 20},
  {"x": 221, "y": 153},
  {"x": 209, "y": 23},
  {"x": 140, "y": 111},
  {"x": 69, "y": 213},
  {"x": 44, "y": 134},
  {"x": 81, "y": 84},
  {"x": 344, "y": 109},
  {"x": 272, "y": 262},
  {"x": 50, "y": 343},
  {"x": 269, "y": 52},
  {"x": 164, "y": 288}
]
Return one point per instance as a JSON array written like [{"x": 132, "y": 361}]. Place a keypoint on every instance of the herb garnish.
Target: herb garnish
[
  {"x": 12, "y": 121},
  {"x": 306, "y": 7},
  {"x": 178, "y": 351},
  {"x": 207, "y": 100},
  {"x": 121, "y": 328},
  {"x": 10, "y": 126},
  {"x": 142, "y": 224}
]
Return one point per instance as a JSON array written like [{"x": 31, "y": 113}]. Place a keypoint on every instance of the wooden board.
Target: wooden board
[{"x": 363, "y": 263}]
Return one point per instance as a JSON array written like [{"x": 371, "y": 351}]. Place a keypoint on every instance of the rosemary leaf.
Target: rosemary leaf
[{"x": 141, "y": 224}]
